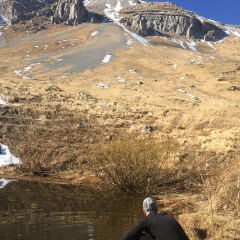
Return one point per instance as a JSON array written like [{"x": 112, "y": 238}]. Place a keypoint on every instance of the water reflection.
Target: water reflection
[
  {"x": 4, "y": 182},
  {"x": 45, "y": 211}
]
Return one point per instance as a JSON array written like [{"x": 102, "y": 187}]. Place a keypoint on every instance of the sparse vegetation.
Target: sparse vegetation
[
  {"x": 140, "y": 165},
  {"x": 222, "y": 209}
]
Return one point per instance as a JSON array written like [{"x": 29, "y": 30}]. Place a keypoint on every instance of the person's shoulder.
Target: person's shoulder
[
  {"x": 146, "y": 219},
  {"x": 157, "y": 215},
  {"x": 165, "y": 215},
  {"x": 162, "y": 213}
]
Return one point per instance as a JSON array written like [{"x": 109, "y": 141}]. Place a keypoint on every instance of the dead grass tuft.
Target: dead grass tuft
[{"x": 140, "y": 165}]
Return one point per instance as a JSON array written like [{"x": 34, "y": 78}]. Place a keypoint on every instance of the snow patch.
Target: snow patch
[
  {"x": 2, "y": 19},
  {"x": 131, "y": 3},
  {"x": 191, "y": 45},
  {"x": 6, "y": 158},
  {"x": 18, "y": 72},
  {"x": 132, "y": 71},
  {"x": 107, "y": 58},
  {"x": 102, "y": 85},
  {"x": 4, "y": 182},
  {"x": 129, "y": 42},
  {"x": 120, "y": 79},
  {"x": 178, "y": 42},
  {"x": 200, "y": 18},
  {"x": 190, "y": 95},
  {"x": 94, "y": 33},
  {"x": 135, "y": 36},
  {"x": 113, "y": 14},
  {"x": 26, "y": 69},
  {"x": 2, "y": 102},
  {"x": 209, "y": 44},
  {"x": 232, "y": 32}
]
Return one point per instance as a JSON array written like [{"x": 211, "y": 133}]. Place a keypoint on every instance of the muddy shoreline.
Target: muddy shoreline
[{"x": 86, "y": 180}]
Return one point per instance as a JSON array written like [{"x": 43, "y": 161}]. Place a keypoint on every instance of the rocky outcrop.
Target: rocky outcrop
[
  {"x": 72, "y": 12},
  {"x": 156, "y": 18},
  {"x": 22, "y": 10},
  {"x": 146, "y": 18}
]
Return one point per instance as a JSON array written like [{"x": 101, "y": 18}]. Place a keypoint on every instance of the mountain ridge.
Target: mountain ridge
[{"x": 147, "y": 19}]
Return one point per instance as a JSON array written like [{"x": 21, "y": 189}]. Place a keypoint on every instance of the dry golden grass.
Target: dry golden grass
[
  {"x": 142, "y": 165},
  {"x": 54, "y": 132}
]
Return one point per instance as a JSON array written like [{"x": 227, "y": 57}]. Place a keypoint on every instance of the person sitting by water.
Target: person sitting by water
[{"x": 156, "y": 225}]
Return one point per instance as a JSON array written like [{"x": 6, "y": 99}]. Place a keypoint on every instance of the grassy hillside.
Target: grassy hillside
[{"x": 56, "y": 121}]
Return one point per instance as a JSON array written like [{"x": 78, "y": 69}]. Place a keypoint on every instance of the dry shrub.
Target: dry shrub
[
  {"x": 224, "y": 204},
  {"x": 219, "y": 205},
  {"x": 228, "y": 193},
  {"x": 211, "y": 117},
  {"x": 45, "y": 147},
  {"x": 137, "y": 165},
  {"x": 38, "y": 156}
]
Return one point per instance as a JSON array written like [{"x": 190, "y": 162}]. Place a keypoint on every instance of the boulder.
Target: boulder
[{"x": 71, "y": 11}]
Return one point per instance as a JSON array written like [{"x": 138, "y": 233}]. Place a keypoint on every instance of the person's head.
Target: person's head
[{"x": 149, "y": 205}]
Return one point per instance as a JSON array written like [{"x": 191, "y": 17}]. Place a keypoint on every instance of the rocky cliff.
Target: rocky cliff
[
  {"x": 22, "y": 10},
  {"x": 70, "y": 11},
  {"x": 146, "y": 19},
  {"x": 157, "y": 18}
]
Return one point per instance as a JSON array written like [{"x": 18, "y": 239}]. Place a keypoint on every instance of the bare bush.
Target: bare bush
[{"x": 136, "y": 165}]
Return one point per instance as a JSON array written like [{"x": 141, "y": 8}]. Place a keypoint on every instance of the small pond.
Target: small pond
[{"x": 32, "y": 211}]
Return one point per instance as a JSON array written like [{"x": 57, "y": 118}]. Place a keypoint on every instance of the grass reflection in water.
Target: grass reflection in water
[{"x": 48, "y": 211}]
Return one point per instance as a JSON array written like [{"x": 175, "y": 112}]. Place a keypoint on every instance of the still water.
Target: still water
[{"x": 32, "y": 211}]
